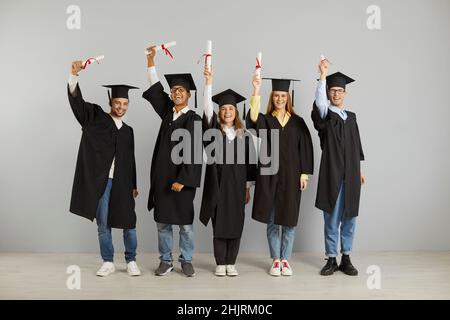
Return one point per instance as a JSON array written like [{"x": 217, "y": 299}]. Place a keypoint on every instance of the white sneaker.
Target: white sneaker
[
  {"x": 106, "y": 269},
  {"x": 275, "y": 270},
  {"x": 231, "y": 270},
  {"x": 133, "y": 269},
  {"x": 286, "y": 269},
  {"x": 221, "y": 271}
]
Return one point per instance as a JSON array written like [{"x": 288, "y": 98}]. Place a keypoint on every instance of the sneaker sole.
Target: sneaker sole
[
  {"x": 165, "y": 273},
  {"x": 105, "y": 274}
]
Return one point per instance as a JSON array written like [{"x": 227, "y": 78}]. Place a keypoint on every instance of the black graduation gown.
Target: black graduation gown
[
  {"x": 340, "y": 161},
  {"x": 224, "y": 189},
  {"x": 101, "y": 141},
  {"x": 282, "y": 190},
  {"x": 171, "y": 207}
]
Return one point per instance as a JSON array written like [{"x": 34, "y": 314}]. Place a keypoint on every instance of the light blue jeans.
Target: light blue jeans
[
  {"x": 165, "y": 242},
  {"x": 104, "y": 232},
  {"x": 280, "y": 247},
  {"x": 335, "y": 221}
]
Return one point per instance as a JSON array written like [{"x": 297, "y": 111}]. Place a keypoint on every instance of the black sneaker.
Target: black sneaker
[
  {"x": 346, "y": 266},
  {"x": 163, "y": 269},
  {"x": 188, "y": 269},
  {"x": 330, "y": 267}
]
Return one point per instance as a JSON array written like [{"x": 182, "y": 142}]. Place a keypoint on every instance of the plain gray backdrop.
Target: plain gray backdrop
[{"x": 400, "y": 98}]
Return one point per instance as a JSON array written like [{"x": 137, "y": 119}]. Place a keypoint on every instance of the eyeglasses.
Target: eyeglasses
[
  {"x": 179, "y": 89},
  {"x": 338, "y": 91}
]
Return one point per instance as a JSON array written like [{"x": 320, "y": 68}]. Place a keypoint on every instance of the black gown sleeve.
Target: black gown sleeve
[
  {"x": 190, "y": 174},
  {"x": 306, "y": 149},
  {"x": 319, "y": 124},
  {"x": 251, "y": 157},
  {"x": 158, "y": 99},
  {"x": 361, "y": 152},
  {"x": 134, "y": 160},
  {"x": 83, "y": 111}
]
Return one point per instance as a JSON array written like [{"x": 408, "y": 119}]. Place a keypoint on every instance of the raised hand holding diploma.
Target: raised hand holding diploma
[
  {"x": 207, "y": 73},
  {"x": 76, "y": 67},
  {"x": 164, "y": 47},
  {"x": 323, "y": 68}
]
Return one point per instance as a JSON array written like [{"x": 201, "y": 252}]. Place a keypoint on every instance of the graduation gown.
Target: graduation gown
[
  {"x": 171, "y": 207},
  {"x": 340, "y": 161},
  {"x": 224, "y": 189},
  {"x": 101, "y": 141},
  {"x": 282, "y": 189}
]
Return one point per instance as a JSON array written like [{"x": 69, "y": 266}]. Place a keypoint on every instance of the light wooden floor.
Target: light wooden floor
[{"x": 404, "y": 275}]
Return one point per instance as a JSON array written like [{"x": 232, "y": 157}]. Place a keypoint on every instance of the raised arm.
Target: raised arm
[
  {"x": 321, "y": 90},
  {"x": 83, "y": 111},
  {"x": 207, "y": 96},
  {"x": 155, "y": 94},
  {"x": 255, "y": 100}
]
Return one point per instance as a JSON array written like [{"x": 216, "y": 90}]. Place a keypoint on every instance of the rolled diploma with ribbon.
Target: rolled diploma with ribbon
[
  {"x": 90, "y": 60},
  {"x": 258, "y": 65},
  {"x": 166, "y": 45},
  {"x": 208, "y": 53}
]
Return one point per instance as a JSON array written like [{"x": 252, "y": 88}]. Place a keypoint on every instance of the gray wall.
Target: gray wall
[{"x": 400, "y": 97}]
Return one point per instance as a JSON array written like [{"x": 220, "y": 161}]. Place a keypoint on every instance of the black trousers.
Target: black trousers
[{"x": 226, "y": 250}]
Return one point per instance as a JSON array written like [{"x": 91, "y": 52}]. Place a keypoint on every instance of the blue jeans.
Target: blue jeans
[
  {"x": 165, "y": 242},
  {"x": 279, "y": 247},
  {"x": 104, "y": 232},
  {"x": 332, "y": 223}
]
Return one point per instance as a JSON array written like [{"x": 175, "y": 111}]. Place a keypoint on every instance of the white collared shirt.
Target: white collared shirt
[{"x": 176, "y": 114}]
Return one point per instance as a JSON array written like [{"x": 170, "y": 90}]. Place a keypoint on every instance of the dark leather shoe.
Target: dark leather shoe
[
  {"x": 346, "y": 266},
  {"x": 330, "y": 267}
]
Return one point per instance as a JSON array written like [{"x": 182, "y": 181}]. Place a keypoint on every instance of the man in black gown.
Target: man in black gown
[
  {"x": 340, "y": 177},
  {"x": 104, "y": 186},
  {"x": 173, "y": 183}
]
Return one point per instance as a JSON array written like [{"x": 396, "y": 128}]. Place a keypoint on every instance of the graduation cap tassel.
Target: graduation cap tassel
[
  {"x": 243, "y": 116},
  {"x": 292, "y": 98},
  {"x": 109, "y": 98},
  {"x": 195, "y": 99}
]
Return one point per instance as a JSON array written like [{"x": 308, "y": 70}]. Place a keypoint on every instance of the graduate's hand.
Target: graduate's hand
[
  {"x": 363, "y": 179},
  {"x": 177, "y": 187},
  {"x": 303, "y": 184},
  {"x": 151, "y": 56},
  {"x": 256, "y": 82},
  {"x": 135, "y": 193},
  {"x": 76, "y": 67},
  {"x": 207, "y": 72},
  {"x": 323, "y": 68},
  {"x": 247, "y": 196}
]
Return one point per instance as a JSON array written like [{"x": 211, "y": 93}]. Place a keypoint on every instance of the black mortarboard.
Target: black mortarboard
[
  {"x": 338, "y": 79},
  {"x": 118, "y": 91},
  {"x": 229, "y": 97},
  {"x": 182, "y": 79},
  {"x": 282, "y": 85}
]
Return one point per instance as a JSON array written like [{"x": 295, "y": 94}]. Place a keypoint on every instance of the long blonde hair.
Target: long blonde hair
[{"x": 271, "y": 106}]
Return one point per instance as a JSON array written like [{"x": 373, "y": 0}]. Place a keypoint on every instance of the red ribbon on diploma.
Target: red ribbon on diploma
[
  {"x": 89, "y": 61},
  {"x": 258, "y": 65},
  {"x": 206, "y": 55},
  {"x": 166, "y": 51}
]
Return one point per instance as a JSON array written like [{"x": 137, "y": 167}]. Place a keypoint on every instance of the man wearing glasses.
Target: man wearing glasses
[
  {"x": 172, "y": 182},
  {"x": 340, "y": 177}
]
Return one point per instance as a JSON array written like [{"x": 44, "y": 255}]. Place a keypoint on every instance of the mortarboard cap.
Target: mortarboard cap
[
  {"x": 118, "y": 91},
  {"x": 282, "y": 85},
  {"x": 182, "y": 79},
  {"x": 229, "y": 96},
  {"x": 338, "y": 79}
]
